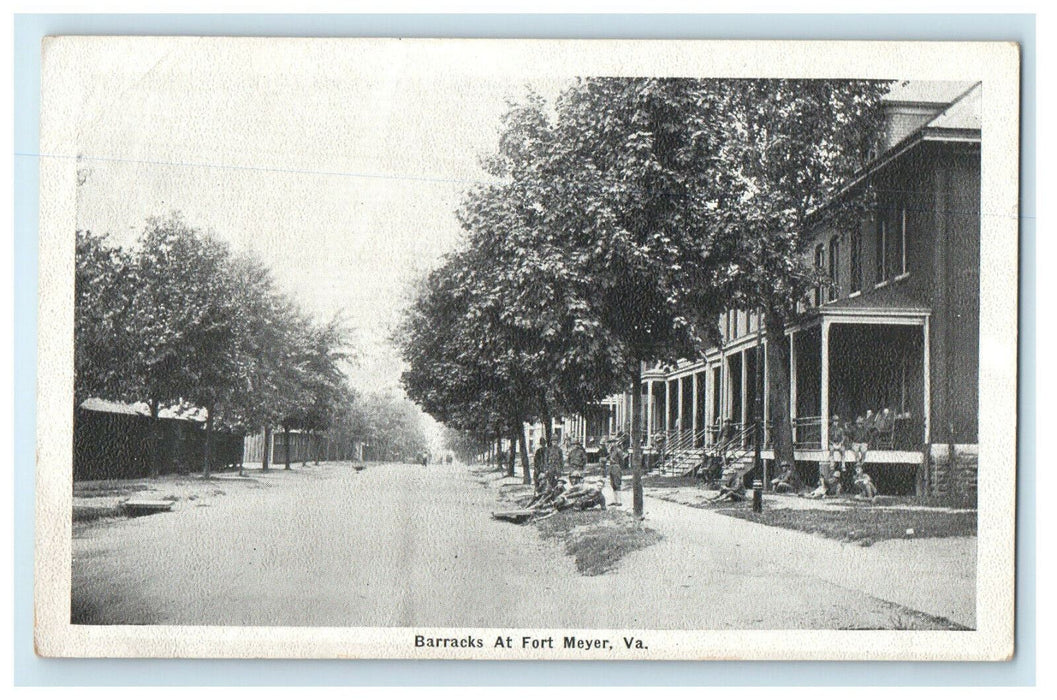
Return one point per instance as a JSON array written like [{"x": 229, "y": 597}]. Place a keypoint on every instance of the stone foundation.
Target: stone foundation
[{"x": 952, "y": 472}]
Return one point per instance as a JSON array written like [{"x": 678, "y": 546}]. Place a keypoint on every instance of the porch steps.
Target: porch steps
[{"x": 739, "y": 466}]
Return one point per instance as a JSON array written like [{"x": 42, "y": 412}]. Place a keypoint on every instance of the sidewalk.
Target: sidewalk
[{"x": 933, "y": 576}]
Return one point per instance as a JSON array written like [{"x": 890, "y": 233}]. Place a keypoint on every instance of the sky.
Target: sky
[{"x": 341, "y": 169}]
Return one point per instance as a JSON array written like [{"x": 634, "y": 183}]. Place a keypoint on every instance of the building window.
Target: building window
[
  {"x": 882, "y": 250},
  {"x": 820, "y": 265},
  {"x": 834, "y": 268},
  {"x": 903, "y": 269},
  {"x": 856, "y": 261}
]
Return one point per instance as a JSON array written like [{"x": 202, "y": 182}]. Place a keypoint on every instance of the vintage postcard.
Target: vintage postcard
[{"x": 496, "y": 349}]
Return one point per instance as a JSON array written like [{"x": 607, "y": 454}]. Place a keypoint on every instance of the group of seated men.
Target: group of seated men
[
  {"x": 852, "y": 440},
  {"x": 573, "y": 492},
  {"x": 555, "y": 491}
]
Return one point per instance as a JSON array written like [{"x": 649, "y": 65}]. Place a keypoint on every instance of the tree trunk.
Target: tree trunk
[
  {"x": 207, "y": 461},
  {"x": 286, "y": 440},
  {"x": 547, "y": 422},
  {"x": 304, "y": 455},
  {"x": 636, "y": 440},
  {"x": 266, "y": 456},
  {"x": 525, "y": 462},
  {"x": 513, "y": 453},
  {"x": 154, "y": 439},
  {"x": 778, "y": 379}
]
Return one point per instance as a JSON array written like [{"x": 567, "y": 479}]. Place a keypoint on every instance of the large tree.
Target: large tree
[
  {"x": 104, "y": 284},
  {"x": 789, "y": 147},
  {"x": 320, "y": 356},
  {"x": 630, "y": 194},
  {"x": 180, "y": 320},
  {"x": 452, "y": 372}
]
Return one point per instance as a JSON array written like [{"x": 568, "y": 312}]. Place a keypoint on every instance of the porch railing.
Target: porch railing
[{"x": 907, "y": 433}]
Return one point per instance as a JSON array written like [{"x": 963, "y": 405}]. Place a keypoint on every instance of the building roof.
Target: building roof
[
  {"x": 964, "y": 113},
  {"x": 960, "y": 120},
  {"x": 142, "y": 409},
  {"x": 938, "y": 92}
]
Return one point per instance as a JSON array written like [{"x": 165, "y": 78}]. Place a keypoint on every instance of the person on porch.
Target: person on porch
[
  {"x": 884, "y": 427},
  {"x": 838, "y": 442},
  {"x": 860, "y": 438}
]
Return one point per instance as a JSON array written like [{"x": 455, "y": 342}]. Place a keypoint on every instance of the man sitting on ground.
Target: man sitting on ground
[
  {"x": 580, "y": 495},
  {"x": 783, "y": 482},
  {"x": 828, "y": 482},
  {"x": 733, "y": 490},
  {"x": 547, "y": 497},
  {"x": 864, "y": 484}
]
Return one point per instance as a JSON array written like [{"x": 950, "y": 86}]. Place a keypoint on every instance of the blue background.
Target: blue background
[{"x": 31, "y": 670}]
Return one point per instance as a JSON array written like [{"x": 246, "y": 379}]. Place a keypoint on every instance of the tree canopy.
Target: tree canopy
[
  {"x": 620, "y": 225},
  {"x": 182, "y": 320}
]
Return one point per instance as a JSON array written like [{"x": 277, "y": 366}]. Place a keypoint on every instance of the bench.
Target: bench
[{"x": 146, "y": 507}]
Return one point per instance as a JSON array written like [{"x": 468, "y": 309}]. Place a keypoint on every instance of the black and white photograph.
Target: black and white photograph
[{"x": 496, "y": 349}]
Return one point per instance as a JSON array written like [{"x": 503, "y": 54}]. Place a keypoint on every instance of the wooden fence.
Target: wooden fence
[
  {"x": 110, "y": 445},
  {"x": 303, "y": 447}
]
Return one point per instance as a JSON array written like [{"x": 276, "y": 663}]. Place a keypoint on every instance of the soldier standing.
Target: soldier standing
[
  {"x": 615, "y": 469},
  {"x": 539, "y": 463},
  {"x": 577, "y": 457},
  {"x": 555, "y": 462}
]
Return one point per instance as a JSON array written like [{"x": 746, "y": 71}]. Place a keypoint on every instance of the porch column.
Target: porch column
[
  {"x": 824, "y": 384},
  {"x": 744, "y": 389},
  {"x": 693, "y": 409},
  {"x": 649, "y": 411},
  {"x": 667, "y": 406},
  {"x": 679, "y": 407},
  {"x": 926, "y": 382},
  {"x": 724, "y": 388},
  {"x": 710, "y": 389}
]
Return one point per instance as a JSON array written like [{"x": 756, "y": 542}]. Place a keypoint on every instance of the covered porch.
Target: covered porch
[{"x": 846, "y": 362}]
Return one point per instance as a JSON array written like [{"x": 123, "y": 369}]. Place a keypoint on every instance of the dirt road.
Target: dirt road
[{"x": 399, "y": 545}]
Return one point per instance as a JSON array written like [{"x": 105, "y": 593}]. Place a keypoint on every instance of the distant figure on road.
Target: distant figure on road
[{"x": 424, "y": 457}]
